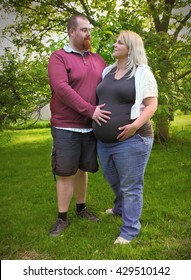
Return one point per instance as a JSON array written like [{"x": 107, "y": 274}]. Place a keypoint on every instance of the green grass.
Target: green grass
[{"x": 29, "y": 206}]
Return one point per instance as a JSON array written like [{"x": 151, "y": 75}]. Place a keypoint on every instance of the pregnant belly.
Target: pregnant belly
[{"x": 108, "y": 132}]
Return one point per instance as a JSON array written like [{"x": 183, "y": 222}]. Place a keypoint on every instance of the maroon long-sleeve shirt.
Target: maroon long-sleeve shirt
[{"x": 73, "y": 80}]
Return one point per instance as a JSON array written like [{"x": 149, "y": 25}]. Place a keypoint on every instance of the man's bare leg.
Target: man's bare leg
[
  {"x": 80, "y": 184},
  {"x": 64, "y": 192},
  {"x": 64, "y": 187}
]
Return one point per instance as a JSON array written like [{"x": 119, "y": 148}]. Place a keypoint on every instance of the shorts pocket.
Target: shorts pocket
[{"x": 53, "y": 160}]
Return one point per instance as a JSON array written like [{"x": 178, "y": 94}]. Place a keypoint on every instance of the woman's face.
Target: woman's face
[{"x": 120, "y": 49}]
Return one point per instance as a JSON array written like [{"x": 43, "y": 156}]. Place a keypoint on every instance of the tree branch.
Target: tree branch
[
  {"x": 182, "y": 24},
  {"x": 179, "y": 77},
  {"x": 161, "y": 25}
]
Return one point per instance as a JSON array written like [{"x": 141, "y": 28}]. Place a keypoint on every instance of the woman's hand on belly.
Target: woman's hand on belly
[{"x": 127, "y": 131}]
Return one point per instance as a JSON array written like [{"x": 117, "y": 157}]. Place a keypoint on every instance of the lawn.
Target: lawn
[{"x": 29, "y": 206}]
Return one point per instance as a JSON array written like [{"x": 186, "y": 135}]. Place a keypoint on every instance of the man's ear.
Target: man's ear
[{"x": 71, "y": 31}]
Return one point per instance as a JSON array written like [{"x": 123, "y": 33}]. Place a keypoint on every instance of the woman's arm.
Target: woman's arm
[{"x": 129, "y": 130}]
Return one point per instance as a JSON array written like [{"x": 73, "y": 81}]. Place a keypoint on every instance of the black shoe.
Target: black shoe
[
  {"x": 59, "y": 226},
  {"x": 86, "y": 214}
]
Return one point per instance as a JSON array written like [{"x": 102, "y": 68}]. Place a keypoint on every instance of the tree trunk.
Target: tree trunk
[{"x": 162, "y": 130}]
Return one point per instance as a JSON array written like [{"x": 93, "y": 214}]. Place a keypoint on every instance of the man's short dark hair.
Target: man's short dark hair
[{"x": 72, "y": 22}]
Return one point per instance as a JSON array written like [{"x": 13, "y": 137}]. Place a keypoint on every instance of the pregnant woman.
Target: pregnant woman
[{"x": 129, "y": 91}]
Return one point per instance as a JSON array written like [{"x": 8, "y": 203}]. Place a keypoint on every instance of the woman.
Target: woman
[{"x": 129, "y": 91}]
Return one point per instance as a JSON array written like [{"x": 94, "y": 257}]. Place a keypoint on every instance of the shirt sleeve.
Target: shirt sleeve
[{"x": 58, "y": 79}]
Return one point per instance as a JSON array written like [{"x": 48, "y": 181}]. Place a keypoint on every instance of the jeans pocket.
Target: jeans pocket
[{"x": 147, "y": 140}]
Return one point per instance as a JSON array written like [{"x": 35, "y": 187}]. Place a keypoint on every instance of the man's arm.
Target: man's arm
[{"x": 58, "y": 78}]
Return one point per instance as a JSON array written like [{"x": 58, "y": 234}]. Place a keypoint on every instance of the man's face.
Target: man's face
[{"x": 81, "y": 35}]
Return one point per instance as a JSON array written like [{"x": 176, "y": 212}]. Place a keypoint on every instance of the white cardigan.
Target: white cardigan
[{"x": 145, "y": 86}]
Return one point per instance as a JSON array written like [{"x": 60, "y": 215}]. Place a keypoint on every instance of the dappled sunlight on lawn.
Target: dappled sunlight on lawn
[{"x": 28, "y": 136}]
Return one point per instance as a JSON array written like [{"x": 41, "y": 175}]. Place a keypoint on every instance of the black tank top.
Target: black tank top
[{"x": 119, "y": 97}]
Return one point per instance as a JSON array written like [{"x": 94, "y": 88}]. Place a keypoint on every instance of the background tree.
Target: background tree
[
  {"x": 164, "y": 25},
  {"x": 24, "y": 88}
]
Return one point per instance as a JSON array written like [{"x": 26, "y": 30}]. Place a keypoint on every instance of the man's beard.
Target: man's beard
[{"x": 87, "y": 43}]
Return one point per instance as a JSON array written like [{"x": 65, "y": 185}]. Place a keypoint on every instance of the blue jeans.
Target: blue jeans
[{"x": 123, "y": 165}]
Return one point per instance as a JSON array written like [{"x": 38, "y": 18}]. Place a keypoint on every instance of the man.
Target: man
[{"x": 74, "y": 73}]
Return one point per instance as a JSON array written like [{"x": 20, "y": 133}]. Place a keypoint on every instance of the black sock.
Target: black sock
[
  {"x": 80, "y": 207},
  {"x": 62, "y": 216}
]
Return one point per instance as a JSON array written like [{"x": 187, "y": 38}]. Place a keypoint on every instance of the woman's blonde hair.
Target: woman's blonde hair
[{"x": 136, "y": 51}]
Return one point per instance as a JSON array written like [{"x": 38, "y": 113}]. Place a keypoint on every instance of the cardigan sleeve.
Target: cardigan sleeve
[
  {"x": 149, "y": 85},
  {"x": 145, "y": 86}
]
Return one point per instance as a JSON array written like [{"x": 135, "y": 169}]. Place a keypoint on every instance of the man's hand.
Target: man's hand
[{"x": 100, "y": 115}]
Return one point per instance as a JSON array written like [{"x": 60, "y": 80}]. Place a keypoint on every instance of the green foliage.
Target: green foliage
[
  {"x": 24, "y": 88},
  {"x": 165, "y": 26},
  {"x": 29, "y": 204}
]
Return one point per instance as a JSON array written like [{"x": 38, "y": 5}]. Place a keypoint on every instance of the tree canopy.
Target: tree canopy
[{"x": 40, "y": 28}]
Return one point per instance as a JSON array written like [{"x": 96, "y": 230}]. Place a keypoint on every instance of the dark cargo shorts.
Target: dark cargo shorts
[{"x": 72, "y": 151}]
